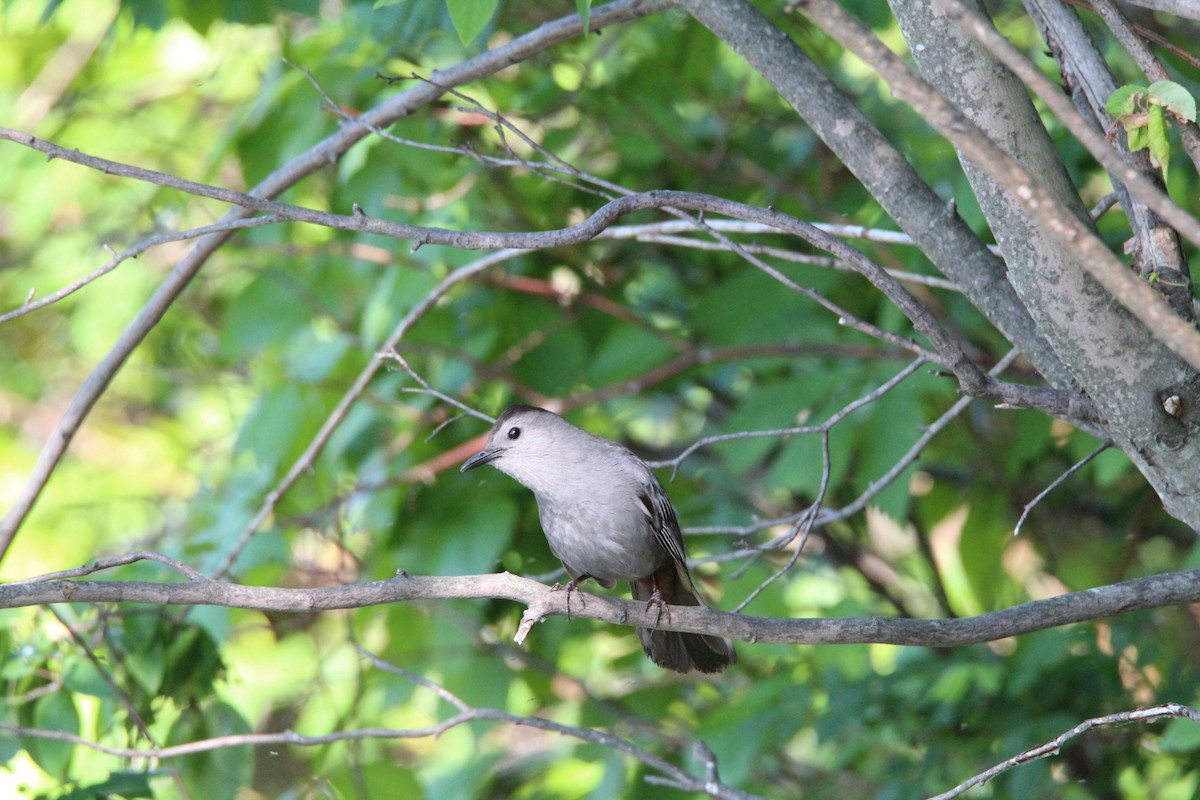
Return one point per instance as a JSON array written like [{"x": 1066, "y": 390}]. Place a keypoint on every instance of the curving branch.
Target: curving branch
[
  {"x": 1054, "y": 746},
  {"x": 1155, "y": 591}
]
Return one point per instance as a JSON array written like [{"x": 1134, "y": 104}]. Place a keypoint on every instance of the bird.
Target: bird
[{"x": 607, "y": 518}]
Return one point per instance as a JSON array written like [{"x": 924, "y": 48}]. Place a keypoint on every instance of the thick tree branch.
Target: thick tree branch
[
  {"x": 981, "y": 28},
  {"x": 1129, "y": 359},
  {"x": 1155, "y": 246},
  {"x": 883, "y": 170},
  {"x": 1094, "y": 256},
  {"x": 1155, "y": 591}
]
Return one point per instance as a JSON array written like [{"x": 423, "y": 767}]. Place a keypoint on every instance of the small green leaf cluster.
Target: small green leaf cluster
[{"x": 1145, "y": 111}]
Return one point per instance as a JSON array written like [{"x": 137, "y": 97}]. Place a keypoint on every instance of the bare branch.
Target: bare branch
[
  {"x": 1156, "y": 591},
  {"x": 949, "y": 350},
  {"x": 804, "y": 526},
  {"x": 115, "y": 561},
  {"x": 982, "y": 29},
  {"x": 1078, "y": 465},
  {"x": 133, "y": 252},
  {"x": 876, "y": 486},
  {"x": 390, "y": 353},
  {"x": 1054, "y": 746},
  {"x": 834, "y": 419}
]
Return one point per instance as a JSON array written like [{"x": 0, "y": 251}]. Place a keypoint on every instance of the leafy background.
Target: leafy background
[{"x": 232, "y": 385}]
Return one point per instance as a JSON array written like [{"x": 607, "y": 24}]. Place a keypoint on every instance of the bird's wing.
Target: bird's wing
[{"x": 663, "y": 522}]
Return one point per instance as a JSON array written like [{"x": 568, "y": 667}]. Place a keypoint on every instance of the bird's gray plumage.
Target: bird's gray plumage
[{"x": 605, "y": 516}]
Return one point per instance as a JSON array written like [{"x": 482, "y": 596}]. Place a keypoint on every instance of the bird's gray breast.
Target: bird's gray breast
[{"x": 604, "y": 534}]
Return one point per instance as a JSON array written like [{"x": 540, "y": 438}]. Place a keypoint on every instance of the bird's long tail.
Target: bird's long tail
[{"x": 681, "y": 652}]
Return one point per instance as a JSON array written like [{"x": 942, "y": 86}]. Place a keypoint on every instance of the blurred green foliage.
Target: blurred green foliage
[{"x": 232, "y": 385}]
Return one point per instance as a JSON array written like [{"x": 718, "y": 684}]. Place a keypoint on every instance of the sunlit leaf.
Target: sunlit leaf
[
  {"x": 1123, "y": 100},
  {"x": 53, "y": 712},
  {"x": 1174, "y": 97},
  {"x": 1156, "y": 139},
  {"x": 584, "y": 7},
  {"x": 471, "y": 17}
]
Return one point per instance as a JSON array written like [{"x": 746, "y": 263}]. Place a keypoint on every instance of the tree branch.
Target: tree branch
[
  {"x": 1094, "y": 256},
  {"x": 1155, "y": 591},
  {"x": 1054, "y": 746},
  {"x": 883, "y": 170}
]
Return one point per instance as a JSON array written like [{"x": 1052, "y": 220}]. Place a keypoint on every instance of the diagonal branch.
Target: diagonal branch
[
  {"x": 1054, "y": 746},
  {"x": 1094, "y": 255}
]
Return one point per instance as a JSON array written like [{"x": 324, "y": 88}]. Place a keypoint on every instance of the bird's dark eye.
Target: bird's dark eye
[{"x": 514, "y": 433}]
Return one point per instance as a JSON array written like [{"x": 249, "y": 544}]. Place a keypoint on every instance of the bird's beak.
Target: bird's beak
[{"x": 481, "y": 458}]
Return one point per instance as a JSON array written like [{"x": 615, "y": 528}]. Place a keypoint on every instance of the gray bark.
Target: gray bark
[{"x": 1039, "y": 296}]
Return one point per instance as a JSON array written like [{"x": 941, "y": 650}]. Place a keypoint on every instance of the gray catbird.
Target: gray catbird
[{"x": 606, "y": 517}]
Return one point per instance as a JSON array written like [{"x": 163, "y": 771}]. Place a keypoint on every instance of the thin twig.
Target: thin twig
[
  {"x": 1058, "y": 482},
  {"x": 392, "y": 354},
  {"x": 806, "y": 524},
  {"x": 115, "y": 561},
  {"x": 876, "y": 486},
  {"x": 832, "y": 420},
  {"x": 351, "y": 395},
  {"x": 1054, "y": 746},
  {"x": 102, "y": 669},
  {"x": 134, "y": 251}
]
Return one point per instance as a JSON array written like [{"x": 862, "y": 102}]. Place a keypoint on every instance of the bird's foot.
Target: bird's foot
[
  {"x": 656, "y": 599},
  {"x": 571, "y": 586}
]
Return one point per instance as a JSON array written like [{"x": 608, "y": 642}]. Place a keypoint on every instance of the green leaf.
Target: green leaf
[
  {"x": 1123, "y": 100},
  {"x": 274, "y": 426},
  {"x": 217, "y": 773},
  {"x": 985, "y": 535},
  {"x": 470, "y": 17},
  {"x": 894, "y": 424},
  {"x": 584, "y": 7},
  {"x": 627, "y": 353},
  {"x": 1138, "y": 138},
  {"x": 265, "y": 313},
  {"x": 1111, "y": 466},
  {"x": 82, "y": 676},
  {"x": 1156, "y": 135},
  {"x": 1181, "y": 736},
  {"x": 1174, "y": 97},
  {"x": 120, "y": 784},
  {"x": 54, "y": 712}
]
